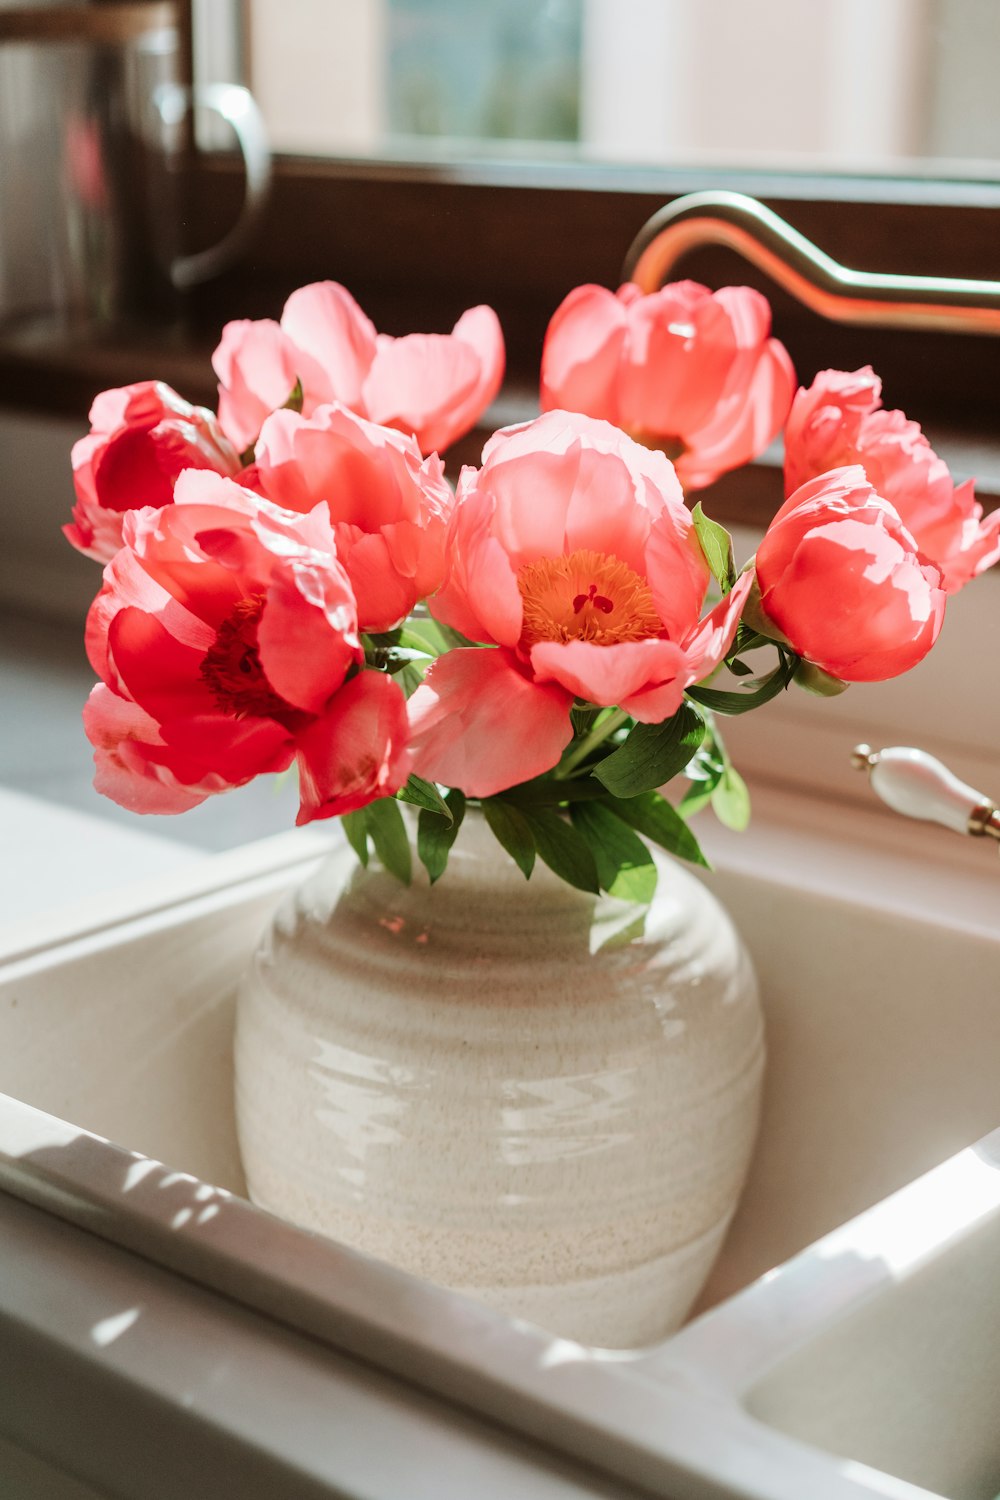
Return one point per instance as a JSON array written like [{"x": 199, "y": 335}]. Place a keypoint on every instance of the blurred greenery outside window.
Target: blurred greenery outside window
[
  {"x": 500, "y": 69},
  {"x": 895, "y": 87}
]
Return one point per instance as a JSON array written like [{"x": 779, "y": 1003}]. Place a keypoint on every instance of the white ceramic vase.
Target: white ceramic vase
[{"x": 514, "y": 1089}]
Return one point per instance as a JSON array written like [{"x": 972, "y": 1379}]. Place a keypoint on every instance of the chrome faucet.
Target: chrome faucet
[{"x": 799, "y": 267}]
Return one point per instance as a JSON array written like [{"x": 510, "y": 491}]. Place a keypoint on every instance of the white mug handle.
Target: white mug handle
[{"x": 236, "y": 105}]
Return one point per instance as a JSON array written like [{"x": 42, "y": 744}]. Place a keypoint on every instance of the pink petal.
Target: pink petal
[
  {"x": 746, "y": 420},
  {"x": 709, "y": 641},
  {"x": 548, "y": 476},
  {"x": 357, "y": 751},
  {"x": 366, "y": 475},
  {"x": 419, "y": 384},
  {"x": 676, "y": 570},
  {"x": 436, "y": 385},
  {"x": 479, "y": 595},
  {"x": 257, "y": 368},
  {"x": 128, "y": 584},
  {"x": 825, "y": 422},
  {"x": 383, "y": 596},
  {"x": 223, "y": 752},
  {"x": 975, "y": 547},
  {"x": 479, "y": 328},
  {"x": 679, "y": 348},
  {"x": 478, "y": 723},
  {"x": 334, "y": 339},
  {"x": 123, "y": 737},
  {"x": 160, "y": 673},
  {"x": 652, "y": 705},
  {"x": 607, "y": 675},
  {"x": 853, "y": 597},
  {"x": 304, "y": 659},
  {"x": 581, "y": 354}
]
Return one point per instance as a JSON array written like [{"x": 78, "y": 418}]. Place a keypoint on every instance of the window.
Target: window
[
  {"x": 427, "y": 185},
  {"x": 665, "y": 96}
]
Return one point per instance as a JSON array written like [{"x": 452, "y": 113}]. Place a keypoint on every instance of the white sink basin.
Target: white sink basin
[{"x": 874, "y": 1366}]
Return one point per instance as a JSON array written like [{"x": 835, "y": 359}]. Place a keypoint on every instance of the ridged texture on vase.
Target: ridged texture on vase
[{"x": 508, "y": 1087}]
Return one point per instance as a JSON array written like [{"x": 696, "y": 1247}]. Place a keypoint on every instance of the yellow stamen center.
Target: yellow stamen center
[{"x": 587, "y": 596}]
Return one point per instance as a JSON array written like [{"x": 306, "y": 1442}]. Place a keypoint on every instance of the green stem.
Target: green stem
[{"x": 590, "y": 741}]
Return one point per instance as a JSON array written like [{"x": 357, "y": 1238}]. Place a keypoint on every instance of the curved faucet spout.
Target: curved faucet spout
[{"x": 801, "y": 268}]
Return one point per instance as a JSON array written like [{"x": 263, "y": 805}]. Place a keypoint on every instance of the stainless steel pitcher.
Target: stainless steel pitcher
[{"x": 94, "y": 120}]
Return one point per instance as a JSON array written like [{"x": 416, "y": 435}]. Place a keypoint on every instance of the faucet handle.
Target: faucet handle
[{"x": 913, "y": 783}]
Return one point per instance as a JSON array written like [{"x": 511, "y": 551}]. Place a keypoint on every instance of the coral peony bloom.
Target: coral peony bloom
[
  {"x": 389, "y": 507},
  {"x": 839, "y": 420},
  {"x": 355, "y": 751},
  {"x": 841, "y": 576},
  {"x": 224, "y": 636},
  {"x": 429, "y": 386},
  {"x": 141, "y": 437},
  {"x": 572, "y": 551},
  {"x": 687, "y": 370}
]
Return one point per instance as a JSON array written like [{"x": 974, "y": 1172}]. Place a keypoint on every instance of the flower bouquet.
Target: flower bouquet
[{"x": 293, "y": 580}]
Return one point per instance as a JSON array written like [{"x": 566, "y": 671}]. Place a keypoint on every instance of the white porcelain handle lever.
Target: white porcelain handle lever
[{"x": 914, "y": 783}]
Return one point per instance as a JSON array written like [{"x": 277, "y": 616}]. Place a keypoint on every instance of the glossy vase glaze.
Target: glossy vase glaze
[{"x": 517, "y": 1090}]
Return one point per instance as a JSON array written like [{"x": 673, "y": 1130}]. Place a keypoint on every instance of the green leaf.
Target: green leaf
[
  {"x": 423, "y": 793},
  {"x": 409, "y": 679},
  {"x": 625, "y": 867},
  {"x": 453, "y": 639},
  {"x": 355, "y": 825},
  {"x": 435, "y": 836},
  {"x": 717, "y": 545},
  {"x": 423, "y": 635},
  {"x": 815, "y": 680},
  {"x": 655, "y": 818},
  {"x": 652, "y": 754},
  {"x": 563, "y": 849},
  {"x": 731, "y": 800},
  {"x": 296, "y": 398},
  {"x": 762, "y": 690},
  {"x": 695, "y": 798},
  {"x": 382, "y": 639},
  {"x": 706, "y": 764},
  {"x": 396, "y": 659},
  {"x": 582, "y": 716},
  {"x": 388, "y": 834},
  {"x": 748, "y": 639},
  {"x": 548, "y": 792},
  {"x": 512, "y": 832}
]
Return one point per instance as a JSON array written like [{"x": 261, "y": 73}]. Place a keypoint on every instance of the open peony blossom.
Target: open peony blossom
[
  {"x": 293, "y": 582},
  {"x": 571, "y": 551},
  {"x": 687, "y": 370},
  {"x": 226, "y": 640},
  {"x": 842, "y": 577},
  {"x": 142, "y": 436},
  {"x": 839, "y": 420},
  {"x": 389, "y": 507},
  {"x": 429, "y": 386}
]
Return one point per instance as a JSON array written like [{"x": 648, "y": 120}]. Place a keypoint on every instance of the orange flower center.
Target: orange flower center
[
  {"x": 586, "y": 596},
  {"x": 231, "y": 668}
]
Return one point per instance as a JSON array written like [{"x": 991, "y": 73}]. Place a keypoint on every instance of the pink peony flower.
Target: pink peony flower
[
  {"x": 389, "y": 508},
  {"x": 141, "y": 437},
  {"x": 687, "y": 370},
  {"x": 839, "y": 420},
  {"x": 842, "y": 577},
  {"x": 570, "y": 550},
  {"x": 224, "y": 635},
  {"x": 429, "y": 386}
]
